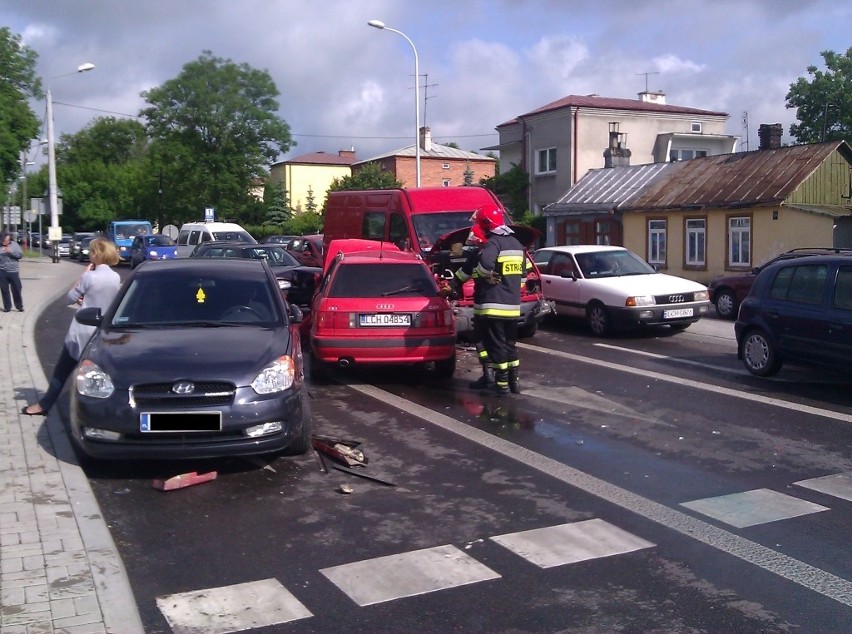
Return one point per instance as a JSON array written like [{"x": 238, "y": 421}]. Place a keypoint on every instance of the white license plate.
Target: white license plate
[
  {"x": 677, "y": 312},
  {"x": 385, "y": 319},
  {"x": 180, "y": 422}
]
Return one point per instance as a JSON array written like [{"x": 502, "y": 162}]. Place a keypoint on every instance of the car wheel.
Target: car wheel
[
  {"x": 302, "y": 443},
  {"x": 317, "y": 372},
  {"x": 446, "y": 368},
  {"x": 599, "y": 321},
  {"x": 759, "y": 354},
  {"x": 726, "y": 304}
]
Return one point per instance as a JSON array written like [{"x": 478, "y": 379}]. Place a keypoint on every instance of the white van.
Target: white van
[{"x": 193, "y": 233}]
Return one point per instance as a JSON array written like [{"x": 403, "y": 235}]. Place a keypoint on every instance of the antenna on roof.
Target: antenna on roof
[
  {"x": 426, "y": 96},
  {"x": 646, "y": 78}
]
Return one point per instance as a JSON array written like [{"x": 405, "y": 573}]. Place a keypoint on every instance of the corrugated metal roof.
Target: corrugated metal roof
[
  {"x": 437, "y": 151},
  {"x": 320, "y": 158},
  {"x": 604, "y": 189},
  {"x": 736, "y": 180}
]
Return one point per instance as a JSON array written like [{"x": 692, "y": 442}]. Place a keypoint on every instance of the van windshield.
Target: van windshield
[{"x": 431, "y": 226}]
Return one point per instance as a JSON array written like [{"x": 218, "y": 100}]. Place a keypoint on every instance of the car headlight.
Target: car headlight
[
  {"x": 701, "y": 296},
  {"x": 92, "y": 381},
  {"x": 641, "y": 300},
  {"x": 152, "y": 254},
  {"x": 276, "y": 377}
]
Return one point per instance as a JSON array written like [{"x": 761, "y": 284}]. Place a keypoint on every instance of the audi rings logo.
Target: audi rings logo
[
  {"x": 184, "y": 387},
  {"x": 384, "y": 307},
  {"x": 676, "y": 299}
]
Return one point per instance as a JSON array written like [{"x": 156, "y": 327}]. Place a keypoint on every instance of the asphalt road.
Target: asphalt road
[{"x": 640, "y": 483}]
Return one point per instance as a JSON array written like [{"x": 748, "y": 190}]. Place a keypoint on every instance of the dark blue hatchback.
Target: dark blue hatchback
[{"x": 798, "y": 310}]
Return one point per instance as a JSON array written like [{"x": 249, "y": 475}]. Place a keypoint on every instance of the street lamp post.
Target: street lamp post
[
  {"x": 55, "y": 231},
  {"x": 381, "y": 25}
]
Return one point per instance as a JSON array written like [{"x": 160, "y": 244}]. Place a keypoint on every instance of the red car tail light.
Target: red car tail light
[
  {"x": 335, "y": 320},
  {"x": 434, "y": 318}
]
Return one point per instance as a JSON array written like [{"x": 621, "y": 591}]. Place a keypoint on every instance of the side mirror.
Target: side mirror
[
  {"x": 90, "y": 316},
  {"x": 284, "y": 285},
  {"x": 296, "y": 315}
]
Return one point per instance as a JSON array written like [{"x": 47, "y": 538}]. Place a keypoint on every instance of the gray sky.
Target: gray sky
[{"x": 345, "y": 85}]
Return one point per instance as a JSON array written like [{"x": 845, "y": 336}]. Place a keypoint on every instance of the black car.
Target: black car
[
  {"x": 277, "y": 239},
  {"x": 193, "y": 359},
  {"x": 798, "y": 310},
  {"x": 302, "y": 279}
]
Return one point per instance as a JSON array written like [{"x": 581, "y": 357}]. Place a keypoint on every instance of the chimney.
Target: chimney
[
  {"x": 770, "y": 135},
  {"x": 616, "y": 155},
  {"x": 425, "y": 139},
  {"x": 348, "y": 154},
  {"x": 653, "y": 97}
]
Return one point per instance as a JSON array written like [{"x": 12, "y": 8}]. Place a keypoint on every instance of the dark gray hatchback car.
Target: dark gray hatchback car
[{"x": 798, "y": 310}]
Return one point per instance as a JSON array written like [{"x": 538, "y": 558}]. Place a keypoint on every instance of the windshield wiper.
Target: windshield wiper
[{"x": 405, "y": 289}]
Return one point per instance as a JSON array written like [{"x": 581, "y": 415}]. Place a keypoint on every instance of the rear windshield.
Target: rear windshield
[
  {"x": 382, "y": 280},
  {"x": 159, "y": 240},
  {"x": 175, "y": 299}
]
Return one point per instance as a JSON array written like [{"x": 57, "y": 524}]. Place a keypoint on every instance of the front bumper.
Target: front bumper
[
  {"x": 631, "y": 318},
  {"x": 248, "y": 409}
]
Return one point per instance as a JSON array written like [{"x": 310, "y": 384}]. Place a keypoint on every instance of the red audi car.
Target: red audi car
[{"x": 379, "y": 305}]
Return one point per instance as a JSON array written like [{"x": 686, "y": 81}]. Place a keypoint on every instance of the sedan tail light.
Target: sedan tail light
[{"x": 439, "y": 318}]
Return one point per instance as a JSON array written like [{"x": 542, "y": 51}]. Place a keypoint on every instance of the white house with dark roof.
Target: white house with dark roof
[{"x": 559, "y": 142}]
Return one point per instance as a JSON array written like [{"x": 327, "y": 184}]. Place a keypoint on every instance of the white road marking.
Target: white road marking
[
  {"x": 751, "y": 508},
  {"x": 659, "y": 376},
  {"x": 839, "y": 485},
  {"x": 231, "y": 608},
  {"x": 407, "y": 574},
  {"x": 799, "y": 572},
  {"x": 665, "y": 357},
  {"x": 569, "y": 543}
]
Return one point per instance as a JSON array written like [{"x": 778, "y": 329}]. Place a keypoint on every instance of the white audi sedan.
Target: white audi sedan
[{"x": 612, "y": 288}]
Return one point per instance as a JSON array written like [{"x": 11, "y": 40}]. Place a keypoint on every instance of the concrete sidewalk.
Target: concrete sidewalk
[{"x": 59, "y": 568}]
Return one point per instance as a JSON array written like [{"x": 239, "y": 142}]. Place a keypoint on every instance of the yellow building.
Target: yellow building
[{"x": 311, "y": 174}]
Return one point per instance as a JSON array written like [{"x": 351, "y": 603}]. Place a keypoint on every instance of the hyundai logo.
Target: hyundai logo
[
  {"x": 184, "y": 387},
  {"x": 676, "y": 299}
]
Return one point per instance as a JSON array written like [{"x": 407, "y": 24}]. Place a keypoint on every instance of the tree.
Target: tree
[
  {"x": 217, "y": 124},
  {"x": 278, "y": 209},
  {"x": 310, "y": 201},
  {"x": 512, "y": 188},
  {"x": 371, "y": 176},
  {"x": 823, "y": 104},
  {"x": 18, "y": 83}
]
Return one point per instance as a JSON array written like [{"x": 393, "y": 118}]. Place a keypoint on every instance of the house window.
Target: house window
[
  {"x": 696, "y": 241},
  {"x": 445, "y": 182},
  {"x": 572, "y": 233},
  {"x": 685, "y": 155},
  {"x": 696, "y": 126},
  {"x": 445, "y": 166},
  {"x": 657, "y": 242},
  {"x": 602, "y": 232},
  {"x": 739, "y": 242},
  {"x": 546, "y": 161}
]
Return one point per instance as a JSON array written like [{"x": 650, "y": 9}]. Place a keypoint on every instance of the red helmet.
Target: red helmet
[
  {"x": 476, "y": 235},
  {"x": 488, "y": 217}
]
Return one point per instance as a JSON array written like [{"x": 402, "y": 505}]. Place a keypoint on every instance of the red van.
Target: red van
[{"x": 414, "y": 220}]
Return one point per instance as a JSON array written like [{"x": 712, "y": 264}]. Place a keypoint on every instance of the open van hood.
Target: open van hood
[{"x": 526, "y": 235}]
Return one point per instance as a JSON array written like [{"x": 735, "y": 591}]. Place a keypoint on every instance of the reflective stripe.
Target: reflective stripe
[{"x": 492, "y": 311}]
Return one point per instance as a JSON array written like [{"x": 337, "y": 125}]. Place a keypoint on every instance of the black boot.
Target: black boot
[
  {"x": 485, "y": 380},
  {"x": 500, "y": 386},
  {"x": 514, "y": 384}
]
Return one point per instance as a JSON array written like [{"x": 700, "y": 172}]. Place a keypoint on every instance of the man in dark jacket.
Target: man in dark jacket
[{"x": 497, "y": 276}]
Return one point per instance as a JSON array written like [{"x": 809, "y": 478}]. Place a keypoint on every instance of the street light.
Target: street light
[
  {"x": 381, "y": 25},
  {"x": 55, "y": 231}
]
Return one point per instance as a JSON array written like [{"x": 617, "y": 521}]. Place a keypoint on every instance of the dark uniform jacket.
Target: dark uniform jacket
[{"x": 498, "y": 274}]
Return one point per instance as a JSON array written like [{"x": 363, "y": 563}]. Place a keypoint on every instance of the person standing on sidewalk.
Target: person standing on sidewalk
[
  {"x": 10, "y": 276},
  {"x": 98, "y": 286}
]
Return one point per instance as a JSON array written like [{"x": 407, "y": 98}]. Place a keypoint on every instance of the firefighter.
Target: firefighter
[{"x": 497, "y": 279}]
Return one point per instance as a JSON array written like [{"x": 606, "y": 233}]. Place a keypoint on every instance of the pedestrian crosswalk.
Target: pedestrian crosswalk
[{"x": 267, "y": 602}]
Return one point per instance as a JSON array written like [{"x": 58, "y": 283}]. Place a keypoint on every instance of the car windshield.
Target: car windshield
[
  {"x": 159, "y": 240},
  {"x": 612, "y": 264},
  {"x": 429, "y": 227},
  {"x": 176, "y": 299},
  {"x": 233, "y": 236},
  {"x": 276, "y": 256},
  {"x": 382, "y": 280}
]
